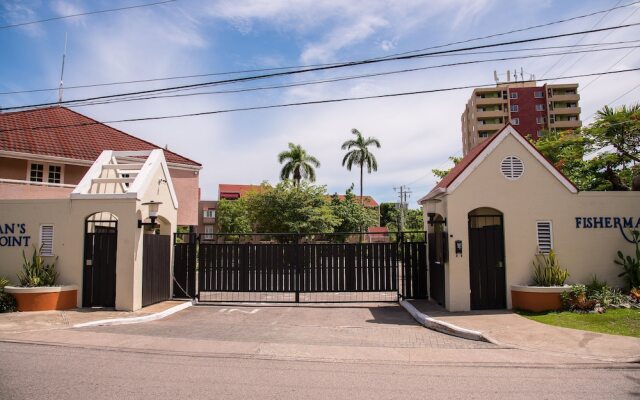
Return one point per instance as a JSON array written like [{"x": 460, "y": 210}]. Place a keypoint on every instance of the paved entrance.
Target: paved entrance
[{"x": 371, "y": 325}]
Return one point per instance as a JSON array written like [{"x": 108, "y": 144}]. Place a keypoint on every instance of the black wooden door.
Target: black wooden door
[
  {"x": 99, "y": 277},
  {"x": 486, "y": 263},
  {"x": 156, "y": 268}
]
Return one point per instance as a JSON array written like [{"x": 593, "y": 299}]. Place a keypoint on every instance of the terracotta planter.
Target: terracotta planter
[
  {"x": 44, "y": 298},
  {"x": 537, "y": 298}
]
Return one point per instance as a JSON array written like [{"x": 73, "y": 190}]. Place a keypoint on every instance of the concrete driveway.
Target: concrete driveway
[{"x": 363, "y": 325}]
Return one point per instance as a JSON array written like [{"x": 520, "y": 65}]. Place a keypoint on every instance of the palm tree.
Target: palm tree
[
  {"x": 298, "y": 163},
  {"x": 359, "y": 154}
]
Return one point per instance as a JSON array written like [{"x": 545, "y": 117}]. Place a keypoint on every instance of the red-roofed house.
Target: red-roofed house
[{"x": 44, "y": 153}]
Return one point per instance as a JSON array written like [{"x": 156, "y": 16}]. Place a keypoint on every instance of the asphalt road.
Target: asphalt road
[{"x": 30, "y": 371}]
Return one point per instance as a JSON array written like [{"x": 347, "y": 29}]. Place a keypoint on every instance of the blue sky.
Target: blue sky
[{"x": 189, "y": 37}]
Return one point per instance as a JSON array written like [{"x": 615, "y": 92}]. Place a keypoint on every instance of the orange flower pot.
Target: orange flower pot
[
  {"x": 44, "y": 298},
  {"x": 537, "y": 298}
]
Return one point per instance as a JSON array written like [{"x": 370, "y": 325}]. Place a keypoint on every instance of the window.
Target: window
[
  {"x": 209, "y": 214},
  {"x": 208, "y": 229},
  {"x": 545, "y": 236},
  {"x": 539, "y": 120},
  {"x": 483, "y": 134},
  {"x": 55, "y": 174},
  {"x": 514, "y": 108},
  {"x": 37, "y": 172},
  {"x": 537, "y": 94},
  {"x": 46, "y": 240},
  {"x": 512, "y": 167},
  {"x": 539, "y": 107},
  {"x": 540, "y": 134},
  {"x": 515, "y": 121},
  {"x": 513, "y": 95}
]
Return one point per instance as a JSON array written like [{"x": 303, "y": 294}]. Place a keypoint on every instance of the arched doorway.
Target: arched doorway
[
  {"x": 486, "y": 259},
  {"x": 99, "y": 264}
]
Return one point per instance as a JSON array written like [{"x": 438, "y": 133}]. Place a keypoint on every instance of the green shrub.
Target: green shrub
[
  {"x": 3, "y": 282},
  {"x": 596, "y": 285},
  {"x": 631, "y": 265},
  {"x": 35, "y": 272},
  {"x": 7, "y": 302},
  {"x": 547, "y": 271}
]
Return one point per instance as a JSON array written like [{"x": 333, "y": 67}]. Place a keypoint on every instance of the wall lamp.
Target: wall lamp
[
  {"x": 431, "y": 221},
  {"x": 153, "y": 214}
]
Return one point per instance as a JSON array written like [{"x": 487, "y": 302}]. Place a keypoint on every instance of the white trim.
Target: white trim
[
  {"x": 540, "y": 289},
  {"x": 44, "y": 158},
  {"x": 508, "y": 130},
  {"x": 40, "y": 289},
  {"x": 17, "y": 181},
  {"x": 102, "y": 196},
  {"x": 84, "y": 185}
]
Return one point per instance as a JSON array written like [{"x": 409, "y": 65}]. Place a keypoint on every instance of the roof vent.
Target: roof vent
[{"x": 512, "y": 167}]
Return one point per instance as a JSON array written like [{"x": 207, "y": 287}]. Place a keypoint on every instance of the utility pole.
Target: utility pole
[{"x": 403, "y": 193}]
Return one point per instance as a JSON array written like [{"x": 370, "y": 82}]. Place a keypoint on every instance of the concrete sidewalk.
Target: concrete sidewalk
[
  {"x": 22, "y": 322},
  {"x": 506, "y": 328}
]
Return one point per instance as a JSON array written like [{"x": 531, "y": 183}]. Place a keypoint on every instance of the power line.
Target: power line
[
  {"x": 581, "y": 39},
  {"x": 331, "y": 80},
  {"x": 339, "y": 100},
  {"x": 326, "y": 64},
  {"x": 608, "y": 69},
  {"x": 344, "y": 65},
  {"x": 86, "y": 13}
]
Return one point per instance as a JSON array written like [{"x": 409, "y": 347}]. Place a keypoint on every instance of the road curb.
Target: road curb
[
  {"x": 137, "y": 320},
  {"x": 441, "y": 326}
]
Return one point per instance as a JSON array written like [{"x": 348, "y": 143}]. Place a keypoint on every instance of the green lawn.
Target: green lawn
[{"x": 615, "y": 321}]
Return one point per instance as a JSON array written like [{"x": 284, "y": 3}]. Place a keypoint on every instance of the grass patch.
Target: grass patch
[{"x": 622, "y": 321}]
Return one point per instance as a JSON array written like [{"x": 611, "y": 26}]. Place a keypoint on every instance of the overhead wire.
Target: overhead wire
[
  {"x": 286, "y": 105},
  {"x": 328, "y": 64},
  {"x": 85, "y": 13},
  {"x": 345, "y": 65},
  {"x": 330, "y": 80}
]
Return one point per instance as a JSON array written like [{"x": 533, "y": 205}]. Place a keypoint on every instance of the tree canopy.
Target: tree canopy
[
  {"x": 353, "y": 216},
  {"x": 602, "y": 156},
  {"x": 359, "y": 154}
]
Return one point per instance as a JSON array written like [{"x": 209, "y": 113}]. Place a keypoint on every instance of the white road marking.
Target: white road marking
[{"x": 231, "y": 310}]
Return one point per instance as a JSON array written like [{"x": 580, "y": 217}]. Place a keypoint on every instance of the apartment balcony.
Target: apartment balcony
[
  {"x": 489, "y": 127},
  {"x": 492, "y": 114},
  {"x": 490, "y": 100},
  {"x": 565, "y": 97},
  {"x": 566, "y": 110},
  {"x": 565, "y": 124}
]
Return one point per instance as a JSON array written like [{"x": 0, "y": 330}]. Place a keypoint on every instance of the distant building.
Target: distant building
[
  {"x": 207, "y": 223},
  {"x": 234, "y": 192},
  {"x": 530, "y": 109}
]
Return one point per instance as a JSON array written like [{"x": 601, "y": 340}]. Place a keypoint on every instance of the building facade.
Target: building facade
[
  {"x": 44, "y": 153},
  {"x": 502, "y": 205},
  {"x": 528, "y": 107}
]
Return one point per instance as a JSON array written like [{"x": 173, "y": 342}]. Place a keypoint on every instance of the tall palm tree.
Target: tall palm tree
[
  {"x": 359, "y": 154},
  {"x": 299, "y": 163}
]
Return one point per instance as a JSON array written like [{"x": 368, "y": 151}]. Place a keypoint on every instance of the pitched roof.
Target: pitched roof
[
  {"x": 232, "y": 189},
  {"x": 367, "y": 200},
  {"x": 72, "y": 135},
  {"x": 475, "y": 152}
]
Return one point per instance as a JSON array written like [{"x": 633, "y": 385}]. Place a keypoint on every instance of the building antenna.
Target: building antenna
[{"x": 64, "y": 55}]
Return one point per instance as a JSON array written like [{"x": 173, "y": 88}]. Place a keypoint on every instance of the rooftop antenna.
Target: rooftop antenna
[
  {"x": 508, "y": 75},
  {"x": 495, "y": 76},
  {"x": 64, "y": 55},
  {"x": 515, "y": 75},
  {"x": 521, "y": 74}
]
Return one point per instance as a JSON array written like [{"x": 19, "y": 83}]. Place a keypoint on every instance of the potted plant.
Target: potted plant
[
  {"x": 548, "y": 284},
  {"x": 38, "y": 290}
]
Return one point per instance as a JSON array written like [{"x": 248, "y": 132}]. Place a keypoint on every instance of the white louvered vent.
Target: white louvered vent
[
  {"x": 46, "y": 240},
  {"x": 512, "y": 167},
  {"x": 545, "y": 236}
]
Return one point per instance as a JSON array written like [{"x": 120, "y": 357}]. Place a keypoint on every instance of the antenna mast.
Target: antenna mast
[{"x": 64, "y": 55}]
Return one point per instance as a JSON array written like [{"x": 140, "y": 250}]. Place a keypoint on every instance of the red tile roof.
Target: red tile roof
[
  {"x": 378, "y": 229},
  {"x": 76, "y": 136},
  {"x": 367, "y": 200},
  {"x": 235, "y": 191}
]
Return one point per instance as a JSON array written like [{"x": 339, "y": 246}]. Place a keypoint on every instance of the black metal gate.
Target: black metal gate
[
  {"x": 300, "y": 268},
  {"x": 486, "y": 262},
  {"x": 156, "y": 268},
  {"x": 438, "y": 254},
  {"x": 99, "y": 267}
]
